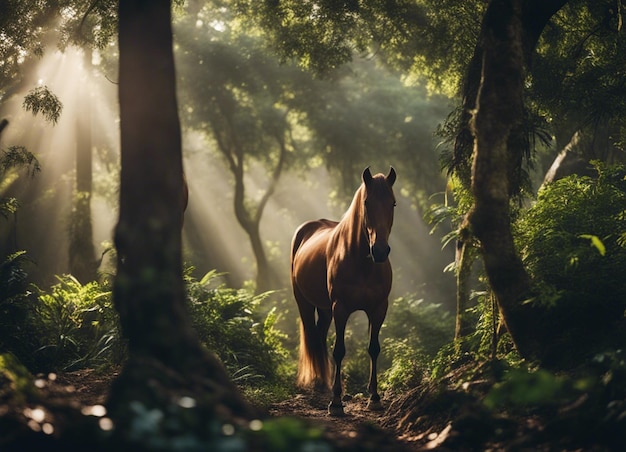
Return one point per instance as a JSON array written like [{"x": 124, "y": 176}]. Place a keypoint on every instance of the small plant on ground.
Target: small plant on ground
[{"x": 78, "y": 326}]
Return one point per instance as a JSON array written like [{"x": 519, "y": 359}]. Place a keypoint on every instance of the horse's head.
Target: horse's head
[{"x": 379, "y": 201}]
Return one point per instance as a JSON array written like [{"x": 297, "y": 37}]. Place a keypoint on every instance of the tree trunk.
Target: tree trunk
[
  {"x": 166, "y": 359},
  {"x": 535, "y": 15},
  {"x": 499, "y": 110},
  {"x": 249, "y": 216},
  {"x": 82, "y": 254},
  {"x": 265, "y": 277},
  {"x": 250, "y": 223},
  {"x": 465, "y": 257},
  {"x": 532, "y": 18}
]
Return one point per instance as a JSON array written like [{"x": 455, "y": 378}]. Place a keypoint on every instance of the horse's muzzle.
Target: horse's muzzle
[{"x": 380, "y": 252}]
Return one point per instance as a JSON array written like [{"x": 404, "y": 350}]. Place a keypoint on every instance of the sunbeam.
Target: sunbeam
[
  {"x": 213, "y": 239},
  {"x": 43, "y": 219}
]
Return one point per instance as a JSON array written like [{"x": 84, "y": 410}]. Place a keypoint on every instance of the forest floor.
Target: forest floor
[
  {"x": 358, "y": 429},
  {"x": 422, "y": 419}
]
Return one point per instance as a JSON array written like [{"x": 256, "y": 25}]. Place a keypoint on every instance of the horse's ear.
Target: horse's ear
[
  {"x": 367, "y": 176},
  {"x": 391, "y": 177}
]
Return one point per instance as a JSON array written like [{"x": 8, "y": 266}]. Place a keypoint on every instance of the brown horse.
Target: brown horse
[{"x": 338, "y": 268}]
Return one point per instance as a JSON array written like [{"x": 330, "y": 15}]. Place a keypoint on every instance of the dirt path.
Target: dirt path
[{"x": 358, "y": 429}]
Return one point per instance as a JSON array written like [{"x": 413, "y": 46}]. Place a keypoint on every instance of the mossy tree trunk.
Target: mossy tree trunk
[
  {"x": 165, "y": 356},
  {"x": 491, "y": 126},
  {"x": 531, "y": 18},
  {"x": 499, "y": 110}
]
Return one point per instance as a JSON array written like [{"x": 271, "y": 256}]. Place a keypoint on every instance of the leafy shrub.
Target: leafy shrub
[
  {"x": 411, "y": 336},
  {"x": 416, "y": 331},
  {"x": 16, "y": 335},
  {"x": 77, "y": 324},
  {"x": 16, "y": 332},
  {"x": 570, "y": 244},
  {"x": 524, "y": 388},
  {"x": 228, "y": 323},
  {"x": 73, "y": 326}
]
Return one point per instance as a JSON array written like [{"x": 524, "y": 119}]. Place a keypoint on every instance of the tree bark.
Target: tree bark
[
  {"x": 499, "y": 110},
  {"x": 534, "y": 16},
  {"x": 165, "y": 356}
]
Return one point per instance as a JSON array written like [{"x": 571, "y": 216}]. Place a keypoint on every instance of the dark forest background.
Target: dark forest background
[{"x": 503, "y": 119}]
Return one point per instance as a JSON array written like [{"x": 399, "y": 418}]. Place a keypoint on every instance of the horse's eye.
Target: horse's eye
[{"x": 395, "y": 204}]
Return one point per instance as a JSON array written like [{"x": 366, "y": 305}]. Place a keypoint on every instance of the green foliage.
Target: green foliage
[
  {"x": 228, "y": 323},
  {"x": 287, "y": 434},
  {"x": 42, "y": 100},
  {"x": 72, "y": 326},
  {"x": 233, "y": 82},
  {"x": 16, "y": 382},
  {"x": 77, "y": 324},
  {"x": 570, "y": 237},
  {"x": 450, "y": 212},
  {"x": 408, "y": 365},
  {"x": 89, "y": 24},
  {"x": 522, "y": 388},
  {"x": 17, "y": 157},
  {"x": 424, "y": 326},
  {"x": 486, "y": 344},
  {"x": 23, "y": 28},
  {"x": 579, "y": 66},
  {"x": 416, "y": 36},
  {"x": 411, "y": 336},
  {"x": 17, "y": 333},
  {"x": 589, "y": 402},
  {"x": 14, "y": 158},
  {"x": 307, "y": 31}
]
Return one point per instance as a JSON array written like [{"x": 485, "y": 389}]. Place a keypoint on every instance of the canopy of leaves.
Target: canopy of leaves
[
  {"x": 415, "y": 35},
  {"x": 235, "y": 89},
  {"x": 360, "y": 115},
  {"x": 22, "y": 30},
  {"x": 371, "y": 117},
  {"x": 578, "y": 73}
]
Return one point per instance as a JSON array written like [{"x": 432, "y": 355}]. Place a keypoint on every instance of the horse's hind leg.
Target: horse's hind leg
[
  {"x": 376, "y": 320},
  {"x": 313, "y": 365},
  {"x": 324, "y": 318}
]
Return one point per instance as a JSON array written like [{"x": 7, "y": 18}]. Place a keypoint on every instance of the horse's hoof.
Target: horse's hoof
[
  {"x": 375, "y": 405},
  {"x": 335, "y": 410}
]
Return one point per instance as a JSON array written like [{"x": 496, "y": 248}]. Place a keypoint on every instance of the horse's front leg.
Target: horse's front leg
[
  {"x": 340, "y": 316},
  {"x": 376, "y": 320}
]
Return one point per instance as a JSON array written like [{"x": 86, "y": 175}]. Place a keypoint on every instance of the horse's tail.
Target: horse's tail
[{"x": 313, "y": 363}]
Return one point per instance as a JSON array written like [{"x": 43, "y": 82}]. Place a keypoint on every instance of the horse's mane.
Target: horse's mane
[{"x": 351, "y": 223}]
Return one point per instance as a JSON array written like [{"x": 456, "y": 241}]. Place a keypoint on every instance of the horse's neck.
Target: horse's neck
[{"x": 350, "y": 228}]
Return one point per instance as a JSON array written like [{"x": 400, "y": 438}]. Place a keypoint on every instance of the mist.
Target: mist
[{"x": 212, "y": 237}]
